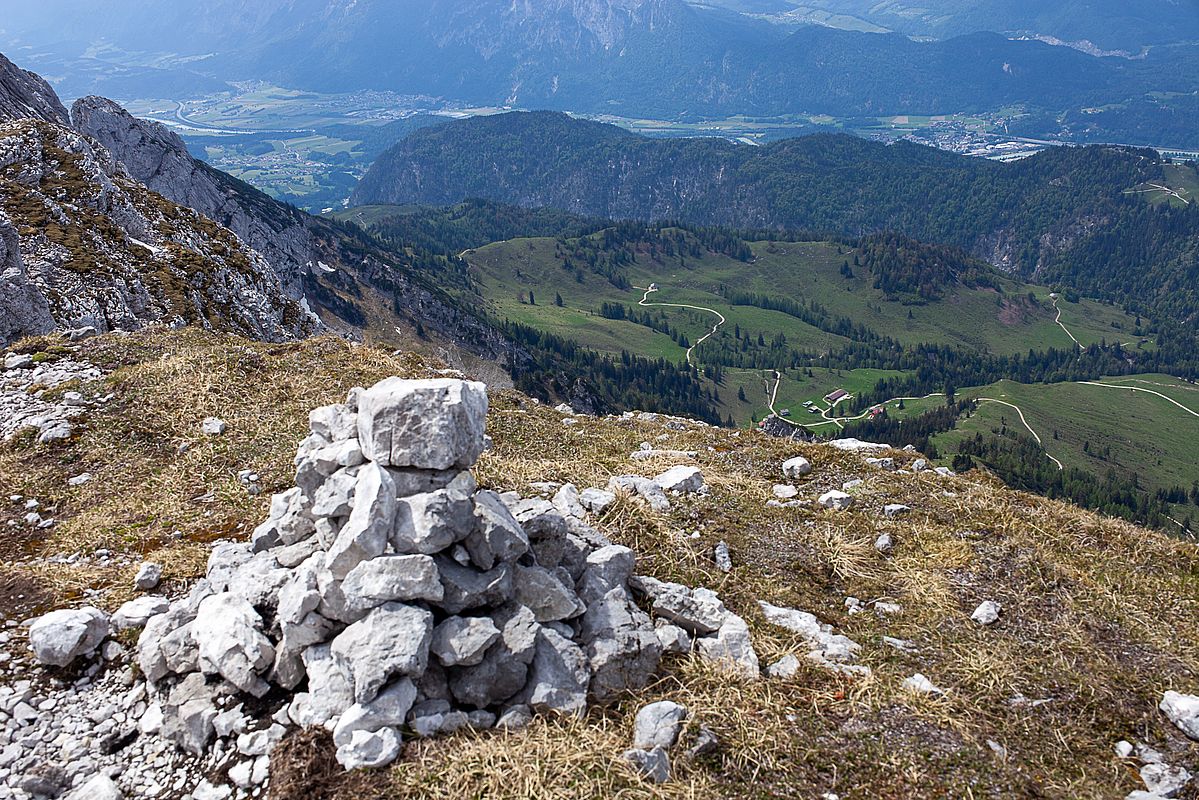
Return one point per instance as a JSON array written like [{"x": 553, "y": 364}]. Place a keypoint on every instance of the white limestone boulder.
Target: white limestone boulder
[
  {"x": 228, "y": 633},
  {"x": 987, "y": 613},
  {"x": 390, "y": 578},
  {"x": 644, "y": 488},
  {"x": 797, "y": 467},
  {"x": 731, "y": 648},
  {"x": 597, "y": 501},
  {"x": 681, "y": 480},
  {"x": 334, "y": 423},
  {"x": 428, "y": 424},
  {"x": 1183, "y": 711},
  {"x": 496, "y": 536},
  {"x": 545, "y": 594},
  {"x": 388, "y": 710},
  {"x": 432, "y": 521},
  {"x": 857, "y": 446},
  {"x": 659, "y": 725},
  {"x": 366, "y": 533},
  {"x": 137, "y": 612},
  {"x": 697, "y": 611},
  {"x": 837, "y": 501},
  {"x": 622, "y": 647},
  {"x": 391, "y": 642},
  {"x": 369, "y": 750},
  {"x": 58, "y": 638},
  {"x": 558, "y": 677},
  {"x": 463, "y": 641},
  {"x": 149, "y": 575}
]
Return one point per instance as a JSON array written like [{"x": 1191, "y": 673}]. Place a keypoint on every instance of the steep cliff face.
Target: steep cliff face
[
  {"x": 93, "y": 247},
  {"x": 25, "y": 95},
  {"x": 157, "y": 157},
  {"x": 23, "y": 309},
  {"x": 353, "y": 284}
]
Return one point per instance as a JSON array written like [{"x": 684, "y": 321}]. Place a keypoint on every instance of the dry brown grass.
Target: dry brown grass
[
  {"x": 304, "y": 767},
  {"x": 1100, "y": 616}
]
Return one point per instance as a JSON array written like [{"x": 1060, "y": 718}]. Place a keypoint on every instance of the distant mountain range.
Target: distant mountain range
[{"x": 636, "y": 58}]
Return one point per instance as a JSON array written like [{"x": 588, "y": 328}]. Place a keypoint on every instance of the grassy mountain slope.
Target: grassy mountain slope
[
  {"x": 831, "y": 315},
  {"x": 1099, "y": 617},
  {"x": 980, "y": 318},
  {"x": 1062, "y": 215},
  {"x": 1095, "y": 428}
]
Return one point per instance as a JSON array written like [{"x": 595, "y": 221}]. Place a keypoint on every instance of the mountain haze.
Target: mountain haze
[
  {"x": 636, "y": 58},
  {"x": 1128, "y": 25}
]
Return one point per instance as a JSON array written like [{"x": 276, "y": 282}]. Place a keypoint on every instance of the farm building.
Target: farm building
[{"x": 836, "y": 396}]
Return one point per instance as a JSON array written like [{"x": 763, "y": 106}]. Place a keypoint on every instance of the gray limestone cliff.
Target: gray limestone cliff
[
  {"x": 25, "y": 95},
  {"x": 85, "y": 245}
]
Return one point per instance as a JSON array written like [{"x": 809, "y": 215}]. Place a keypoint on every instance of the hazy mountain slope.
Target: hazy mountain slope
[
  {"x": 822, "y": 182},
  {"x": 635, "y": 57},
  {"x": 25, "y": 95},
  {"x": 1108, "y": 24}
]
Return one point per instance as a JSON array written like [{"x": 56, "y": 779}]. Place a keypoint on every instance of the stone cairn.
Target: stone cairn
[{"x": 387, "y": 595}]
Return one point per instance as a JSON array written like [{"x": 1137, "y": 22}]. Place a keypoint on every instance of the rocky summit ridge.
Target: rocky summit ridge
[
  {"x": 207, "y": 249},
  {"x": 26, "y": 95},
  {"x": 445, "y": 579}
]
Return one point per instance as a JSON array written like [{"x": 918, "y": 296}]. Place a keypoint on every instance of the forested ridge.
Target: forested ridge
[{"x": 1061, "y": 216}]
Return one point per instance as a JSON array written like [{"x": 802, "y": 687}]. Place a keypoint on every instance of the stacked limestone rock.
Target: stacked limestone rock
[{"x": 387, "y": 592}]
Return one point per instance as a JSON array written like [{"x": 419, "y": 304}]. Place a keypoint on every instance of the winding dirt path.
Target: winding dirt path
[
  {"x": 1062, "y": 326},
  {"x": 1061, "y": 467},
  {"x": 1166, "y": 190},
  {"x": 702, "y": 339},
  {"x": 824, "y": 413},
  {"x": 1192, "y": 412},
  {"x": 840, "y": 421}
]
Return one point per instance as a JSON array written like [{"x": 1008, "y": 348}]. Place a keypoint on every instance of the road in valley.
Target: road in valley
[
  {"x": 1139, "y": 389},
  {"x": 1061, "y": 467},
  {"x": 1059, "y": 321},
  {"x": 840, "y": 421}
]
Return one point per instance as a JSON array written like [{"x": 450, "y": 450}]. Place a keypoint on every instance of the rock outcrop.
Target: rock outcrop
[
  {"x": 325, "y": 266},
  {"x": 156, "y": 156},
  {"x": 94, "y": 248},
  {"x": 23, "y": 308},
  {"x": 26, "y": 95}
]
